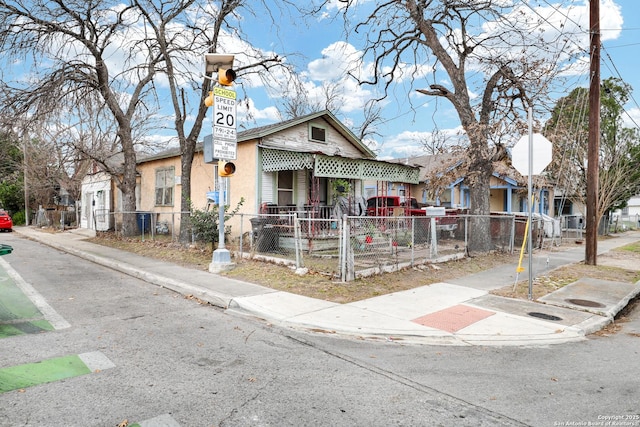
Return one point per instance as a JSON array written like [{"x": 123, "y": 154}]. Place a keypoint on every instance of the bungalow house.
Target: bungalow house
[
  {"x": 442, "y": 184},
  {"x": 294, "y": 165}
]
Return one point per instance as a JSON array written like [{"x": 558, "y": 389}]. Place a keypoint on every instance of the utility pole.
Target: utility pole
[
  {"x": 25, "y": 141},
  {"x": 591, "y": 248}
]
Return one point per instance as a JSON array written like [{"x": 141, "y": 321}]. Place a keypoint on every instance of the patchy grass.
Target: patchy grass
[
  {"x": 565, "y": 275},
  {"x": 313, "y": 284},
  {"x": 619, "y": 265},
  {"x": 616, "y": 265},
  {"x": 316, "y": 285},
  {"x": 633, "y": 247}
]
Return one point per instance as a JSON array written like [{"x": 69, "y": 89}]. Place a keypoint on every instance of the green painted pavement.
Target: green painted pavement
[
  {"x": 18, "y": 314},
  {"x": 46, "y": 371}
]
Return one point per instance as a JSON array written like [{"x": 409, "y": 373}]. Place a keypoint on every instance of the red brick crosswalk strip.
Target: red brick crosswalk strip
[{"x": 454, "y": 318}]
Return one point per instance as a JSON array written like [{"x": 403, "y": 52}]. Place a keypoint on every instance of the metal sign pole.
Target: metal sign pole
[
  {"x": 530, "y": 201},
  {"x": 221, "y": 214}
]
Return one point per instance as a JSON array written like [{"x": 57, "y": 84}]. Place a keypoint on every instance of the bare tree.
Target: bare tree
[
  {"x": 439, "y": 142},
  {"x": 296, "y": 100},
  {"x": 372, "y": 117},
  {"x": 179, "y": 29},
  {"x": 82, "y": 50},
  {"x": 495, "y": 49}
]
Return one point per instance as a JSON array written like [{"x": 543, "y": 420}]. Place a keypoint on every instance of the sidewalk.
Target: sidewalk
[{"x": 460, "y": 312}]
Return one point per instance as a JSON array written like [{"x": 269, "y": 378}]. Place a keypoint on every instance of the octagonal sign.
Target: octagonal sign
[{"x": 542, "y": 150}]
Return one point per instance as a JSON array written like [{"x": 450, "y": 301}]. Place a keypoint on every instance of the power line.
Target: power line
[{"x": 568, "y": 18}]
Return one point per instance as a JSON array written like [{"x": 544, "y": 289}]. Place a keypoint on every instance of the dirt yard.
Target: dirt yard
[{"x": 619, "y": 265}]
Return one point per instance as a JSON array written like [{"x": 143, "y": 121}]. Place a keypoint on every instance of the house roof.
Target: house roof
[
  {"x": 165, "y": 154},
  {"x": 432, "y": 164},
  {"x": 263, "y": 131},
  {"x": 445, "y": 168}
]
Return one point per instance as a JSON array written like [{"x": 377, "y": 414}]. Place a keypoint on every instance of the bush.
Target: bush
[
  {"x": 205, "y": 223},
  {"x": 18, "y": 218}
]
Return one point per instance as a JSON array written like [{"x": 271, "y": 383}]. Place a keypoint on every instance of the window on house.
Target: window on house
[
  {"x": 285, "y": 188},
  {"x": 317, "y": 133},
  {"x": 164, "y": 186}
]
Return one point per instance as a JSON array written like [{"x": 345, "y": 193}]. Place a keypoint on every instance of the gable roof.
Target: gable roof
[
  {"x": 263, "y": 131},
  {"x": 446, "y": 168}
]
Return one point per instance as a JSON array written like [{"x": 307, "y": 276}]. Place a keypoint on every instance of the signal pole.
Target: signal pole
[
  {"x": 223, "y": 141},
  {"x": 591, "y": 248}
]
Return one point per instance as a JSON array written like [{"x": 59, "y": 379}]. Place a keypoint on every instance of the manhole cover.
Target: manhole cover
[
  {"x": 544, "y": 316},
  {"x": 584, "y": 302}
]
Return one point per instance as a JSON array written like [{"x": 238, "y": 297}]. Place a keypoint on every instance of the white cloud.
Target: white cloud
[
  {"x": 337, "y": 60},
  {"x": 632, "y": 118},
  {"x": 248, "y": 114}
]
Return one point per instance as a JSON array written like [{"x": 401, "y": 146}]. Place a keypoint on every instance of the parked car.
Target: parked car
[
  {"x": 6, "y": 223},
  {"x": 393, "y": 206}
]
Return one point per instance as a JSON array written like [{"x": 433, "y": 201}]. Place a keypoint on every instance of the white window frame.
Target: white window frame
[
  {"x": 324, "y": 129},
  {"x": 167, "y": 188},
  {"x": 286, "y": 190}
]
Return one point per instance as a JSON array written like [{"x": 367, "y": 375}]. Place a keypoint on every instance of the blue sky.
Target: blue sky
[
  {"x": 322, "y": 53},
  {"x": 319, "y": 52}
]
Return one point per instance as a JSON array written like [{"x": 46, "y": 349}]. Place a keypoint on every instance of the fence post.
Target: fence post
[
  {"x": 345, "y": 247},
  {"x": 351, "y": 274},
  {"x": 241, "y": 242},
  {"x": 342, "y": 250},
  {"x": 413, "y": 240},
  {"x": 512, "y": 242},
  {"x": 173, "y": 226},
  {"x": 297, "y": 241},
  {"x": 434, "y": 238},
  {"x": 466, "y": 234},
  {"x": 142, "y": 222}
]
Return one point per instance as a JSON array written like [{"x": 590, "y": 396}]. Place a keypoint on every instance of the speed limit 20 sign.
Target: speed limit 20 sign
[{"x": 224, "y": 124}]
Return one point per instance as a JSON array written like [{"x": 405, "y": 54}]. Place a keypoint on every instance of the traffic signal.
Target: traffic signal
[
  {"x": 226, "y": 168},
  {"x": 226, "y": 76},
  {"x": 208, "y": 101}
]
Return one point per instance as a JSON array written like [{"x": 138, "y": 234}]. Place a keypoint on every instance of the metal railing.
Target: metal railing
[{"x": 352, "y": 246}]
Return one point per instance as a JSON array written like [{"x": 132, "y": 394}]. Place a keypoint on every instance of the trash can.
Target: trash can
[
  {"x": 265, "y": 234},
  {"x": 144, "y": 221},
  {"x": 5, "y": 249}
]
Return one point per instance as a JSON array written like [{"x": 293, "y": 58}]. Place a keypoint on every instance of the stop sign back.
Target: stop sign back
[{"x": 541, "y": 153}]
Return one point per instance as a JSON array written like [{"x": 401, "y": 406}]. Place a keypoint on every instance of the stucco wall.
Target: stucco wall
[{"x": 244, "y": 184}]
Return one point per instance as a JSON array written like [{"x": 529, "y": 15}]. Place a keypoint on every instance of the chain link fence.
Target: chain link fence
[
  {"x": 349, "y": 247},
  {"x": 359, "y": 246}
]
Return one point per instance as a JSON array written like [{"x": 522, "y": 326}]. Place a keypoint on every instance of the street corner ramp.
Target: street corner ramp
[
  {"x": 278, "y": 306},
  {"x": 602, "y": 297},
  {"x": 535, "y": 310}
]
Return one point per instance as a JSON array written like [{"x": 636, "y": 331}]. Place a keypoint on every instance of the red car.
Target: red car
[{"x": 5, "y": 221}]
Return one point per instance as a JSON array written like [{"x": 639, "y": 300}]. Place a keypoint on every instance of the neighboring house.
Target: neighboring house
[
  {"x": 100, "y": 198},
  {"x": 442, "y": 184},
  {"x": 96, "y": 202},
  {"x": 288, "y": 166},
  {"x": 631, "y": 212},
  {"x": 564, "y": 205}
]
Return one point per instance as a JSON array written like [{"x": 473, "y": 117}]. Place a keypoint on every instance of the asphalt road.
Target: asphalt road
[{"x": 170, "y": 361}]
